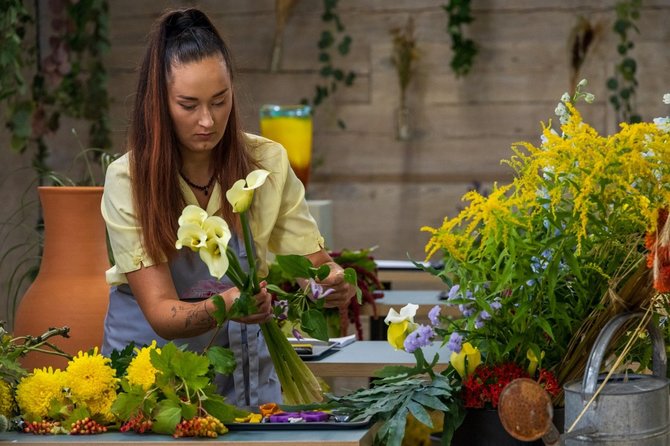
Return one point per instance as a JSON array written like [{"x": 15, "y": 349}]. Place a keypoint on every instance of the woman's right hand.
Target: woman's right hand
[{"x": 263, "y": 305}]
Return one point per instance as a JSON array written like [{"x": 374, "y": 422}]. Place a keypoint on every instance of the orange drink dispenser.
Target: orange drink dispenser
[{"x": 290, "y": 126}]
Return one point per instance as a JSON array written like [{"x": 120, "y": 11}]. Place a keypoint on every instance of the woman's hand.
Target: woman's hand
[
  {"x": 263, "y": 307},
  {"x": 342, "y": 291}
]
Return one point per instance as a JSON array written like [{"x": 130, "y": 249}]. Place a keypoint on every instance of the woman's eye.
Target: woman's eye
[
  {"x": 218, "y": 104},
  {"x": 187, "y": 107}
]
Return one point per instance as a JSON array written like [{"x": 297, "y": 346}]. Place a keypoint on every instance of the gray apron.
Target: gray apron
[{"x": 254, "y": 380}]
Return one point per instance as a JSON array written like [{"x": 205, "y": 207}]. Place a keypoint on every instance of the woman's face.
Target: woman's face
[{"x": 200, "y": 98}]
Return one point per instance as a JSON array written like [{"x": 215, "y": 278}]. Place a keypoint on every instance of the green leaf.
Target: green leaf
[
  {"x": 121, "y": 359},
  {"x": 420, "y": 413},
  {"x": 222, "y": 359},
  {"x": 216, "y": 406},
  {"x": 295, "y": 265},
  {"x": 128, "y": 403},
  {"x": 429, "y": 401},
  {"x": 189, "y": 365},
  {"x": 220, "y": 313},
  {"x": 188, "y": 410},
  {"x": 351, "y": 278},
  {"x": 167, "y": 417},
  {"x": 321, "y": 272},
  {"x": 313, "y": 322}
]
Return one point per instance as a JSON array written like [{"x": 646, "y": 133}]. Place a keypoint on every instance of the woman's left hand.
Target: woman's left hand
[{"x": 342, "y": 291}]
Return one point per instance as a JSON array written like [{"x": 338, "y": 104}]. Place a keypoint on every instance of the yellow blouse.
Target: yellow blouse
[{"x": 279, "y": 217}]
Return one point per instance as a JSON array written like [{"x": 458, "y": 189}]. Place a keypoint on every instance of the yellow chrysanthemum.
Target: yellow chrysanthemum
[
  {"x": 91, "y": 379},
  {"x": 36, "y": 391},
  {"x": 141, "y": 371},
  {"x": 6, "y": 399}
]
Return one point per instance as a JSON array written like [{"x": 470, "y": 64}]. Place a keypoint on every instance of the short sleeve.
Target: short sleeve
[
  {"x": 122, "y": 227},
  {"x": 280, "y": 218}
]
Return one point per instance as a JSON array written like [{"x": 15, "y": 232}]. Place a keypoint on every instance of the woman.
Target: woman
[{"x": 186, "y": 147}]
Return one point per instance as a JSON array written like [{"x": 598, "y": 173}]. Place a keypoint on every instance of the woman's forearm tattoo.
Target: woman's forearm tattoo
[{"x": 195, "y": 315}]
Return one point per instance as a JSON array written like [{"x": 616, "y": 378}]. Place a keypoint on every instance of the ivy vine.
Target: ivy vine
[
  {"x": 69, "y": 80},
  {"x": 463, "y": 49},
  {"x": 624, "y": 82},
  {"x": 331, "y": 39}
]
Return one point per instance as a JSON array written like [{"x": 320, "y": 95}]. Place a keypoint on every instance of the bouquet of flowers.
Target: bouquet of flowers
[{"x": 209, "y": 236}]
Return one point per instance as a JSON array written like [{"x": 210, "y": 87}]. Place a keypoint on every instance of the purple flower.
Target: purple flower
[
  {"x": 317, "y": 291},
  {"x": 479, "y": 323},
  {"x": 496, "y": 305},
  {"x": 455, "y": 342},
  {"x": 419, "y": 338},
  {"x": 297, "y": 334},
  {"x": 484, "y": 315},
  {"x": 466, "y": 310},
  {"x": 280, "y": 309},
  {"x": 434, "y": 315},
  {"x": 453, "y": 292}
]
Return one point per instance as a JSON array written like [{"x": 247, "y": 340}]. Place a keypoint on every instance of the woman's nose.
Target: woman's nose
[{"x": 206, "y": 119}]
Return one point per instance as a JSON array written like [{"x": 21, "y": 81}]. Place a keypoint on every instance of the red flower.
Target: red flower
[{"x": 486, "y": 384}]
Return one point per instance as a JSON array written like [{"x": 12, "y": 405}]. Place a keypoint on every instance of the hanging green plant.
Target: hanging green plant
[
  {"x": 624, "y": 82},
  {"x": 331, "y": 40},
  {"x": 463, "y": 49},
  {"x": 70, "y": 80}
]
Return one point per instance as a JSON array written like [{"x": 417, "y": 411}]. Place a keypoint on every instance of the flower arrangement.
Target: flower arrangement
[
  {"x": 533, "y": 265},
  {"x": 209, "y": 236},
  {"x": 536, "y": 268}
]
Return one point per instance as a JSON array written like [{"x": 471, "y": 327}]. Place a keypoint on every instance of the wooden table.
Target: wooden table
[
  {"x": 343, "y": 437},
  {"x": 362, "y": 358}
]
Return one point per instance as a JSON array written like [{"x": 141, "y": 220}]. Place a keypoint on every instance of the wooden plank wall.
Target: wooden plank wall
[{"x": 384, "y": 190}]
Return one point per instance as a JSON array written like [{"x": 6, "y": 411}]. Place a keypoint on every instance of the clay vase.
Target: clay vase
[{"x": 70, "y": 288}]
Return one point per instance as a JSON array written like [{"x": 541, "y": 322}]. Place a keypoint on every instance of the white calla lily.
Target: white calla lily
[
  {"x": 192, "y": 236},
  {"x": 217, "y": 228},
  {"x": 241, "y": 193},
  {"x": 192, "y": 214},
  {"x": 214, "y": 256},
  {"x": 407, "y": 313}
]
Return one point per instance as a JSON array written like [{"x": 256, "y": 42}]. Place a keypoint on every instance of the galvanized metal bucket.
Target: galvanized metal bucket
[{"x": 631, "y": 410}]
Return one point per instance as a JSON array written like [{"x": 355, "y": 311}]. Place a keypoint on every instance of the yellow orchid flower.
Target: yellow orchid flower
[
  {"x": 467, "y": 360},
  {"x": 400, "y": 325},
  {"x": 241, "y": 193},
  {"x": 533, "y": 361}
]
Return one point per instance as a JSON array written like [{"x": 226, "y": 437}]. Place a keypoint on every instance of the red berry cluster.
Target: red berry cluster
[
  {"x": 87, "y": 426},
  {"x": 200, "y": 427},
  {"x": 42, "y": 427},
  {"x": 139, "y": 423}
]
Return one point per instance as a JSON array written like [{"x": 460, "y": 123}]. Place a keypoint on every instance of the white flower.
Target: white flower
[
  {"x": 666, "y": 98},
  {"x": 214, "y": 256},
  {"x": 240, "y": 196},
  {"x": 565, "y": 97},
  {"x": 407, "y": 313},
  {"x": 192, "y": 214},
  {"x": 191, "y": 236},
  {"x": 582, "y": 84},
  {"x": 589, "y": 97},
  {"x": 663, "y": 124}
]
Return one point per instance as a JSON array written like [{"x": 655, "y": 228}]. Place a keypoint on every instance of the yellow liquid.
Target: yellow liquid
[{"x": 295, "y": 134}]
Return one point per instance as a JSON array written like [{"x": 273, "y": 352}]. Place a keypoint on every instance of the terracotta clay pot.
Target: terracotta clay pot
[{"x": 70, "y": 289}]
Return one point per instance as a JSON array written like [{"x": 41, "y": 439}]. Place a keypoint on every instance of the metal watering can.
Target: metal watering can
[{"x": 631, "y": 409}]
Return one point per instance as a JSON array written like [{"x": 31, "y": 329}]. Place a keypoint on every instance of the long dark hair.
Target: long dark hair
[{"x": 181, "y": 36}]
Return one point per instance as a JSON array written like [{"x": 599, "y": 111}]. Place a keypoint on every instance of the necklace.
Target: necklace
[{"x": 204, "y": 189}]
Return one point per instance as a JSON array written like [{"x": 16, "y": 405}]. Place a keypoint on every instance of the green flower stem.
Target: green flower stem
[
  {"x": 235, "y": 272},
  {"x": 298, "y": 382},
  {"x": 251, "y": 256}
]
